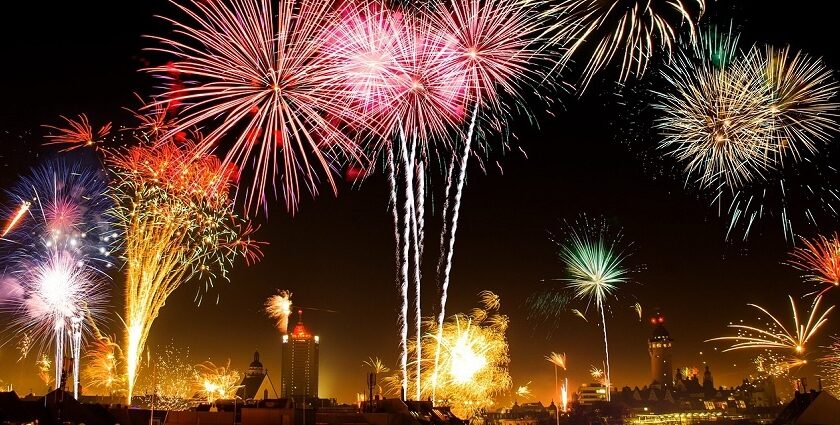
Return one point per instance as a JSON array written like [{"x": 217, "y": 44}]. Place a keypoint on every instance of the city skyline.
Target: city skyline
[{"x": 336, "y": 252}]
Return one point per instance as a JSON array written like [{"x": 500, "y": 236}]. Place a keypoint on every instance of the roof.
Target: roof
[
  {"x": 250, "y": 386},
  {"x": 815, "y": 408}
]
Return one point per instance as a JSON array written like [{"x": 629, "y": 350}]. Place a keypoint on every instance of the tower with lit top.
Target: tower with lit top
[
  {"x": 659, "y": 347},
  {"x": 299, "y": 353}
]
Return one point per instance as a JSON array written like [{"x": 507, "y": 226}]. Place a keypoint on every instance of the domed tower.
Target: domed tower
[
  {"x": 256, "y": 368},
  {"x": 659, "y": 347}
]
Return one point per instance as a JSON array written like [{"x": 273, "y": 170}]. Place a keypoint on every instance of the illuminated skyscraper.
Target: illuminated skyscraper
[
  {"x": 299, "y": 373},
  {"x": 659, "y": 347}
]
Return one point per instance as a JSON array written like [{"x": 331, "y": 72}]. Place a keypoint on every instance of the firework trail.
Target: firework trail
[
  {"x": 494, "y": 45},
  {"x": 776, "y": 335},
  {"x": 258, "y": 72},
  {"x": 594, "y": 261},
  {"x": 16, "y": 217},
  {"x": 625, "y": 31},
  {"x": 177, "y": 224},
  {"x": 819, "y": 260},
  {"x": 279, "y": 308},
  {"x": 77, "y": 133},
  {"x": 564, "y": 395},
  {"x": 404, "y": 89}
]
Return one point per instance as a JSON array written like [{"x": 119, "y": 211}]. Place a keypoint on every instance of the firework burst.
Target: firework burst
[
  {"x": 830, "y": 366},
  {"x": 105, "y": 366},
  {"x": 474, "y": 361},
  {"x": 595, "y": 264},
  {"x": 258, "y": 73},
  {"x": 819, "y": 260},
  {"x": 715, "y": 117},
  {"x": 177, "y": 224},
  {"x": 77, "y": 133},
  {"x": 279, "y": 308},
  {"x": 216, "y": 382},
  {"x": 629, "y": 32},
  {"x": 776, "y": 335}
]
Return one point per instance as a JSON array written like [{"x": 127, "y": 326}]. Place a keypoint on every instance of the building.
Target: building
[
  {"x": 591, "y": 393},
  {"x": 659, "y": 348},
  {"x": 256, "y": 384},
  {"x": 299, "y": 372}
]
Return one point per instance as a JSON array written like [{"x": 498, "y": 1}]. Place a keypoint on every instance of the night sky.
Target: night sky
[{"x": 336, "y": 253}]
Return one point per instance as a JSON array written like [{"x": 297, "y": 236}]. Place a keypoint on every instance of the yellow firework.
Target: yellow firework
[
  {"x": 178, "y": 224},
  {"x": 776, "y": 335},
  {"x": 715, "y": 116},
  {"x": 104, "y": 369},
  {"x": 803, "y": 103},
  {"x": 628, "y": 32},
  {"x": 557, "y": 359},
  {"x": 830, "y": 367},
  {"x": 216, "y": 382},
  {"x": 279, "y": 307},
  {"x": 473, "y": 367}
]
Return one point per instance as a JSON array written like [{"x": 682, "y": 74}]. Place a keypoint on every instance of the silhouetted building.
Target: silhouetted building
[
  {"x": 659, "y": 348},
  {"x": 256, "y": 385},
  {"x": 299, "y": 374}
]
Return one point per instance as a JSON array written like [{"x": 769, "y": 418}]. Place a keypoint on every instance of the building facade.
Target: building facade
[
  {"x": 659, "y": 348},
  {"x": 299, "y": 372}
]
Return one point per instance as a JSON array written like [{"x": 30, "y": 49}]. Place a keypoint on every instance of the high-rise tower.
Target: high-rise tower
[
  {"x": 299, "y": 352},
  {"x": 659, "y": 347}
]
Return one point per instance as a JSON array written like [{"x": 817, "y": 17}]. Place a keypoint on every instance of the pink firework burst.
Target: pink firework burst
[
  {"x": 399, "y": 75},
  {"x": 247, "y": 70}
]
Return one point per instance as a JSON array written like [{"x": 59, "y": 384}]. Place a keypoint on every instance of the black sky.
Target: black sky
[{"x": 337, "y": 253}]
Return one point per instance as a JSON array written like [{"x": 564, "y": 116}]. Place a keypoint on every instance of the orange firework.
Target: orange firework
[
  {"x": 77, "y": 134},
  {"x": 24, "y": 207},
  {"x": 819, "y": 259}
]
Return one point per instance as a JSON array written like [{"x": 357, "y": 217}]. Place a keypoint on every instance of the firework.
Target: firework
[
  {"x": 638, "y": 309},
  {"x": 59, "y": 293},
  {"x": 258, "y": 72},
  {"x": 558, "y": 360},
  {"x": 716, "y": 118},
  {"x": 803, "y": 102},
  {"x": 474, "y": 361},
  {"x": 494, "y": 45},
  {"x": 819, "y": 259},
  {"x": 776, "y": 335},
  {"x": 216, "y": 382},
  {"x": 15, "y": 218},
  {"x": 44, "y": 366},
  {"x": 594, "y": 262},
  {"x": 830, "y": 366},
  {"x": 564, "y": 395},
  {"x": 166, "y": 381},
  {"x": 629, "y": 32},
  {"x": 523, "y": 390},
  {"x": 279, "y": 308},
  {"x": 104, "y": 366},
  {"x": 598, "y": 374},
  {"x": 379, "y": 368},
  {"x": 177, "y": 224},
  {"x": 78, "y": 133},
  {"x": 24, "y": 345},
  {"x": 770, "y": 364}
]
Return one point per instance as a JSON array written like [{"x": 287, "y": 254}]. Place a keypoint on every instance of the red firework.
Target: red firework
[
  {"x": 78, "y": 133},
  {"x": 819, "y": 259},
  {"x": 256, "y": 74}
]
